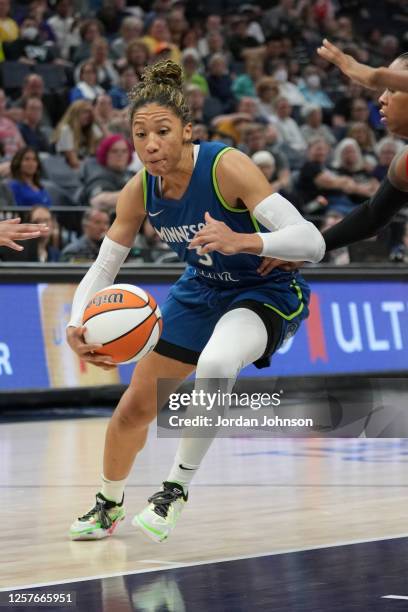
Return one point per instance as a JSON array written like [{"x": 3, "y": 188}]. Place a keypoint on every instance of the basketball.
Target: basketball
[{"x": 125, "y": 319}]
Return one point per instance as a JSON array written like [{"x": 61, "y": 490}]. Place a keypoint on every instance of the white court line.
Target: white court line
[
  {"x": 282, "y": 551},
  {"x": 394, "y": 597}
]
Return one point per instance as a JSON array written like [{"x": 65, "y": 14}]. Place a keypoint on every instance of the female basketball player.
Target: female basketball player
[
  {"x": 369, "y": 218},
  {"x": 214, "y": 207},
  {"x": 12, "y": 229}
]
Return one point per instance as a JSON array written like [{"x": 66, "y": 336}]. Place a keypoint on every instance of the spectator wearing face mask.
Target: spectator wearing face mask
[
  {"x": 312, "y": 89},
  {"x": 29, "y": 48},
  {"x": 288, "y": 90}
]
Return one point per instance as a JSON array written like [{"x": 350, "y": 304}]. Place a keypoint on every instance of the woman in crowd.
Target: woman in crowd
[
  {"x": 77, "y": 134},
  {"x": 87, "y": 87},
  {"x": 25, "y": 183}
]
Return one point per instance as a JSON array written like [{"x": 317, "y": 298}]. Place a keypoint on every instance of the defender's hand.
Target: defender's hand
[
  {"x": 12, "y": 229},
  {"x": 270, "y": 263},
  {"x": 360, "y": 73}
]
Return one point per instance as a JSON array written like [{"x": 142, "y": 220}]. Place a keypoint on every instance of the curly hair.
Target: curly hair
[{"x": 161, "y": 83}]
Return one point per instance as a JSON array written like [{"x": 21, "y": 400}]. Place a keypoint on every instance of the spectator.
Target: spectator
[
  {"x": 213, "y": 25},
  {"x": 239, "y": 40},
  {"x": 190, "y": 60},
  {"x": 31, "y": 130},
  {"x": 106, "y": 176},
  {"x": 273, "y": 52},
  {"x": 288, "y": 90},
  {"x": 33, "y": 87},
  {"x": 87, "y": 87},
  {"x": 137, "y": 56},
  {"x": 348, "y": 161},
  {"x": 266, "y": 163},
  {"x": 76, "y": 135},
  {"x": 106, "y": 74},
  {"x": 268, "y": 92},
  {"x": 178, "y": 25},
  {"x": 200, "y": 132},
  {"x": 10, "y": 136},
  {"x": 26, "y": 184},
  {"x": 8, "y": 27},
  {"x": 157, "y": 34},
  {"x": 245, "y": 84},
  {"x": 312, "y": 89},
  {"x": 61, "y": 24},
  {"x": 364, "y": 136},
  {"x": 359, "y": 110},
  {"x": 386, "y": 149},
  {"x": 46, "y": 248},
  {"x": 313, "y": 127},
  {"x": 320, "y": 186},
  {"x": 287, "y": 127},
  {"x": 216, "y": 44},
  {"x": 220, "y": 82},
  {"x": 338, "y": 257},
  {"x": 130, "y": 29},
  {"x": 112, "y": 14},
  {"x": 203, "y": 109},
  {"x": 104, "y": 113},
  {"x": 255, "y": 140},
  {"x": 29, "y": 48},
  {"x": 119, "y": 93},
  {"x": 95, "y": 224},
  {"x": 89, "y": 30}
]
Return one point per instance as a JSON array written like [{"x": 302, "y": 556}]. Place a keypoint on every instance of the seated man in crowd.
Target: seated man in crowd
[{"x": 95, "y": 224}]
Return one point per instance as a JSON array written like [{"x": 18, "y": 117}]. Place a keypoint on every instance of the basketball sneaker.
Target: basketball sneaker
[
  {"x": 100, "y": 522},
  {"x": 159, "y": 518}
]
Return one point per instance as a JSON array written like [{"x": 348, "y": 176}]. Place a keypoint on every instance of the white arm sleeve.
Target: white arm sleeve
[
  {"x": 292, "y": 237},
  {"x": 101, "y": 274}
]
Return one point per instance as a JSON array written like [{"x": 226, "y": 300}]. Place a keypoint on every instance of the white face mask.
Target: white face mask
[
  {"x": 313, "y": 81},
  {"x": 281, "y": 75},
  {"x": 30, "y": 33}
]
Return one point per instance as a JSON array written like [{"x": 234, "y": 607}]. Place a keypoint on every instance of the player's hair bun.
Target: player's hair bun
[{"x": 163, "y": 73}]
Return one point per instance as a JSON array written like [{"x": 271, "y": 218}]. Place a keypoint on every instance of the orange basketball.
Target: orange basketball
[{"x": 125, "y": 319}]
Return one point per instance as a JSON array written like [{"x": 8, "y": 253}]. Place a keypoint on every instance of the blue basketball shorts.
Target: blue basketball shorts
[{"x": 193, "y": 308}]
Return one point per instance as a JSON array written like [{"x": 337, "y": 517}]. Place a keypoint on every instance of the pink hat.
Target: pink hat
[{"x": 105, "y": 145}]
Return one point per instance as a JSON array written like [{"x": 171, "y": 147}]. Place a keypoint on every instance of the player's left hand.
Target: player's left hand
[
  {"x": 216, "y": 236},
  {"x": 270, "y": 263}
]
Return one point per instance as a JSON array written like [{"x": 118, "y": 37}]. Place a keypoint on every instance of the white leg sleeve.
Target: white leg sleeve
[{"x": 239, "y": 338}]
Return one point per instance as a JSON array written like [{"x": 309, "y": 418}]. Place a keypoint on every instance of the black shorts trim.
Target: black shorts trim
[
  {"x": 179, "y": 353},
  {"x": 273, "y": 323}
]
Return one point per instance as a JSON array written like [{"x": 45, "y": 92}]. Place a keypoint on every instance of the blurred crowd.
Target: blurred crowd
[{"x": 253, "y": 81}]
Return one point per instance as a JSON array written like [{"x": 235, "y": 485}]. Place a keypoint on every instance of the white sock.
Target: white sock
[
  {"x": 113, "y": 489},
  {"x": 195, "y": 449}
]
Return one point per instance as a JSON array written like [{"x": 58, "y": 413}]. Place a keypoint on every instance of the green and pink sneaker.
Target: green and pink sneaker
[
  {"x": 100, "y": 522},
  {"x": 159, "y": 518}
]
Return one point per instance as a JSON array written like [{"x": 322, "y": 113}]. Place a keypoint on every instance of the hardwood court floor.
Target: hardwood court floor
[{"x": 251, "y": 496}]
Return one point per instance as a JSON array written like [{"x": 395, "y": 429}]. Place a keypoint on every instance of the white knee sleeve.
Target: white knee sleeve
[{"x": 239, "y": 338}]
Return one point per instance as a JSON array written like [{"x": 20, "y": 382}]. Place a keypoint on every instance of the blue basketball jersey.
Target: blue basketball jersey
[{"x": 176, "y": 222}]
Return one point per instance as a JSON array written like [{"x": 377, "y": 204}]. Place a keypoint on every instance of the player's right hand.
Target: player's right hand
[{"x": 87, "y": 352}]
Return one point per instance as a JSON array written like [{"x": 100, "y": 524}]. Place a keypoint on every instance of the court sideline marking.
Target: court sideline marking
[{"x": 197, "y": 563}]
